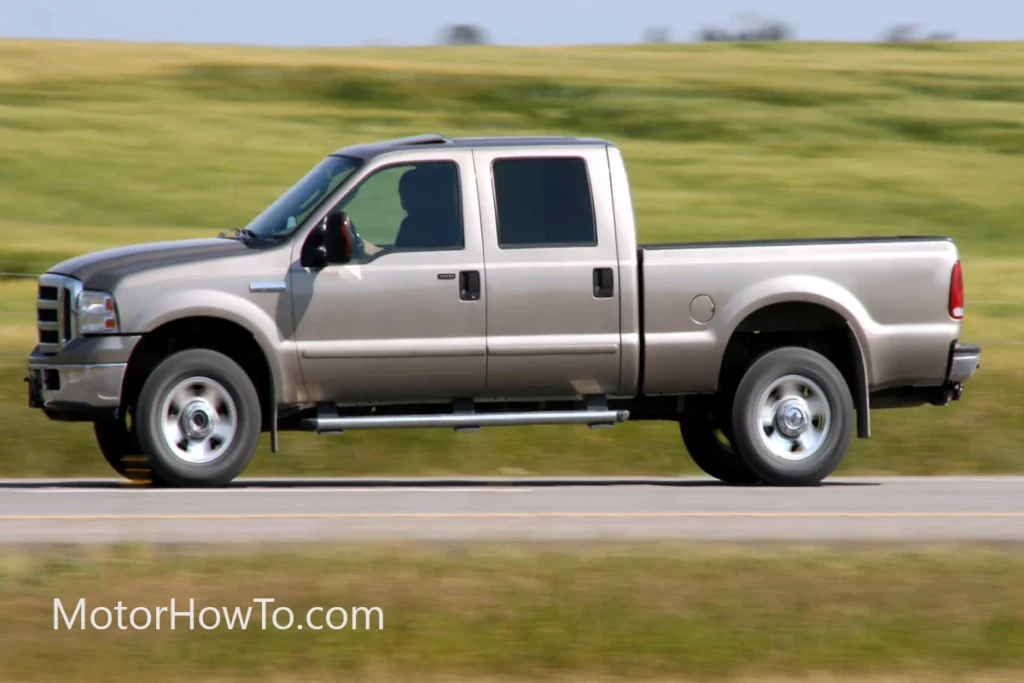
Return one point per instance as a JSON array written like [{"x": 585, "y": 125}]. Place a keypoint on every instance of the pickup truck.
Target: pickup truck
[{"x": 473, "y": 282}]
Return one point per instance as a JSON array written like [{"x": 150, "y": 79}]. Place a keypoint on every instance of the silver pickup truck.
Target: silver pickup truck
[{"x": 471, "y": 282}]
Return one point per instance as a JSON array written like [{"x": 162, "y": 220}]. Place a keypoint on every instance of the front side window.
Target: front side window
[
  {"x": 543, "y": 202},
  {"x": 408, "y": 207},
  {"x": 285, "y": 215}
]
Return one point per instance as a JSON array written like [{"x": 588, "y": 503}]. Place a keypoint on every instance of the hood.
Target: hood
[{"x": 104, "y": 270}]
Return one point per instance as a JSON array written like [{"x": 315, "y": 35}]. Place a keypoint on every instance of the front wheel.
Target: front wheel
[
  {"x": 120, "y": 447},
  {"x": 793, "y": 417},
  {"x": 710, "y": 448},
  {"x": 199, "y": 419}
]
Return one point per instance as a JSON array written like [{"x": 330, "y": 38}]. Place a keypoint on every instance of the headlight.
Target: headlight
[{"x": 97, "y": 313}]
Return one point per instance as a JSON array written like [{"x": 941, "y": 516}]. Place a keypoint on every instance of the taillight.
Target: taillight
[{"x": 956, "y": 293}]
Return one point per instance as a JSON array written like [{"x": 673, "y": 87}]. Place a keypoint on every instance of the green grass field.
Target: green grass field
[
  {"x": 526, "y": 613},
  {"x": 496, "y": 612},
  {"x": 110, "y": 144}
]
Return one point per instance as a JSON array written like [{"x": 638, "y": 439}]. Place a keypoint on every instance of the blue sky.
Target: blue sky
[{"x": 509, "y": 22}]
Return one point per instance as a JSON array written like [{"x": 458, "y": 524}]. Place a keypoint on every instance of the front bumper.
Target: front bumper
[
  {"x": 83, "y": 382},
  {"x": 76, "y": 392}
]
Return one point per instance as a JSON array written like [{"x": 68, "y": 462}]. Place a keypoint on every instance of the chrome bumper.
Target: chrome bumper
[
  {"x": 964, "y": 361},
  {"x": 76, "y": 392}
]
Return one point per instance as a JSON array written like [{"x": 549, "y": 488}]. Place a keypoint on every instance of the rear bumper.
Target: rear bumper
[{"x": 964, "y": 360}]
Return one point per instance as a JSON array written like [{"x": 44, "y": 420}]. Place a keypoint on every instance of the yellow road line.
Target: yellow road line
[{"x": 506, "y": 515}]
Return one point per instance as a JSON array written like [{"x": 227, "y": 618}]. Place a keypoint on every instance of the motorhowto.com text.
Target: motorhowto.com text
[{"x": 262, "y": 615}]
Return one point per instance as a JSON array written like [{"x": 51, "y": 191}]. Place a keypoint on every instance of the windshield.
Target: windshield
[{"x": 282, "y": 217}]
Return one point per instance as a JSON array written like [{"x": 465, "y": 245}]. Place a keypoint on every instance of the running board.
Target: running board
[{"x": 563, "y": 417}]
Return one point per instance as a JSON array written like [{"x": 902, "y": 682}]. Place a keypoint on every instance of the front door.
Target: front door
[
  {"x": 552, "y": 272},
  {"x": 406, "y": 320}
]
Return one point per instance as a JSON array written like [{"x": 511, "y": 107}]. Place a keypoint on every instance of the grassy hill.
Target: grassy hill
[{"x": 104, "y": 144}]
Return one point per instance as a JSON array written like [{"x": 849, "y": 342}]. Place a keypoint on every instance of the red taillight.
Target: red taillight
[{"x": 956, "y": 293}]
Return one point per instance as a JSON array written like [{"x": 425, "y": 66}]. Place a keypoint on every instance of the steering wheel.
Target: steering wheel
[{"x": 358, "y": 243}]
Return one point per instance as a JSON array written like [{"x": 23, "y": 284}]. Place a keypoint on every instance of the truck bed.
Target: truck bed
[
  {"x": 891, "y": 291},
  {"x": 792, "y": 242}
]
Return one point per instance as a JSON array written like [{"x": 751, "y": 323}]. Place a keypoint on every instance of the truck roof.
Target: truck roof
[{"x": 434, "y": 139}]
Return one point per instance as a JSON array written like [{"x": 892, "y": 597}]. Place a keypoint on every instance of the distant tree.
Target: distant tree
[
  {"x": 658, "y": 34},
  {"x": 901, "y": 33},
  {"x": 756, "y": 30},
  {"x": 463, "y": 34},
  {"x": 712, "y": 34},
  {"x": 772, "y": 31},
  {"x": 911, "y": 33}
]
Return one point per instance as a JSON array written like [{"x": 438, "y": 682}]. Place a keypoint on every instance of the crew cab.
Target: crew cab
[{"x": 472, "y": 282}]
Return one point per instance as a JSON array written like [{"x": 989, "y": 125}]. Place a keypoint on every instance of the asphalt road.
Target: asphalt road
[{"x": 263, "y": 510}]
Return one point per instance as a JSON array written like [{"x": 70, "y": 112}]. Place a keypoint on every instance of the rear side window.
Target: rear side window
[{"x": 543, "y": 202}]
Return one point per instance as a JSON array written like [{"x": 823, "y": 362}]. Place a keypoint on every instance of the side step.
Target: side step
[{"x": 563, "y": 417}]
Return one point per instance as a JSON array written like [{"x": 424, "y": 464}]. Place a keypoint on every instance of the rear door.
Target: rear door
[{"x": 551, "y": 270}]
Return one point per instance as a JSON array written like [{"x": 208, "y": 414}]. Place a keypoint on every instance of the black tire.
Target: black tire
[
  {"x": 121, "y": 449},
  {"x": 814, "y": 375},
  {"x": 222, "y": 385},
  {"x": 713, "y": 454}
]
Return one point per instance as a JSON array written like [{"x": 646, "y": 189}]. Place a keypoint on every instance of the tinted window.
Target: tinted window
[
  {"x": 408, "y": 207},
  {"x": 543, "y": 203}
]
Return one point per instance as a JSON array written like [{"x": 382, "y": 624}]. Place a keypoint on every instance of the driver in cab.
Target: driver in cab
[{"x": 428, "y": 195}]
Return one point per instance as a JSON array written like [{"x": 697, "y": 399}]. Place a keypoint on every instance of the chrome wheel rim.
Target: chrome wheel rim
[
  {"x": 200, "y": 420},
  {"x": 793, "y": 418}
]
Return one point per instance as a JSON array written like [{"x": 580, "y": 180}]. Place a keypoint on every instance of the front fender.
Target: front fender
[{"x": 269, "y": 322}]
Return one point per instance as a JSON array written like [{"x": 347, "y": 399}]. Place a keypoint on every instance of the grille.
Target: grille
[{"x": 54, "y": 311}]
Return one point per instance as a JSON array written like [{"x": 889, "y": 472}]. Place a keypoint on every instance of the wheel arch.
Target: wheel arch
[
  {"x": 807, "y": 319},
  {"x": 220, "y": 334}
]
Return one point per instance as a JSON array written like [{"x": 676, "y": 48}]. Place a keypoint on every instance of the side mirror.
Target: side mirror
[{"x": 337, "y": 243}]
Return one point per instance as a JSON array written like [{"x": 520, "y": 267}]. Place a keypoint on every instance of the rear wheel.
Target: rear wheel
[
  {"x": 793, "y": 417},
  {"x": 199, "y": 419},
  {"x": 709, "y": 446},
  {"x": 120, "y": 447}
]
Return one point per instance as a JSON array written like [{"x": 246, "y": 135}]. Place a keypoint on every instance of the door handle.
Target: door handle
[
  {"x": 604, "y": 283},
  {"x": 469, "y": 285}
]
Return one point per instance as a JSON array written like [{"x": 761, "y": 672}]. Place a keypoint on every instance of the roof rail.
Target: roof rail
[{"x": 427, "y": 139}]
